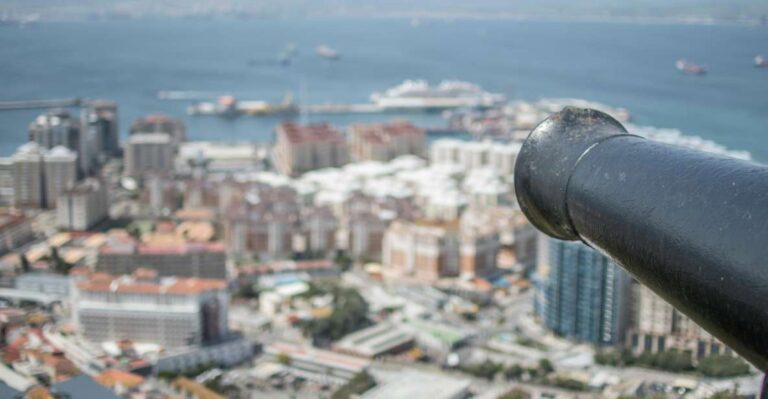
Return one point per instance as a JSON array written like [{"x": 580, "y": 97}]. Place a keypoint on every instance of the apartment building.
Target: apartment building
[
  {"x": 302, "y": 148},
  {"x": 386, "y": 141}
]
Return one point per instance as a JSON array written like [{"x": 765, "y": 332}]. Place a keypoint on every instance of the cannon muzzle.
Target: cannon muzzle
[{"x": 692, "y": 226}]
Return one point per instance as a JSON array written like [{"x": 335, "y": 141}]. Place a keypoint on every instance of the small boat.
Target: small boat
[
  {"x": 327, "y": 52},
  {"x": 286, "y": 56},
  {"x": 761, "y": 62},
  {"x": 690, "y": 68}
]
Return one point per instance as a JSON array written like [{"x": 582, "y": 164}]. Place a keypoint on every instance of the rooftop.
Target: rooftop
[
  {"x": 139, "y": 283},
  {"x": 375, "y": 340},
  {"x": 318, "y": 356},
  {"x": 149, "y": 138},
  {"x": 419, "y": 384},
  {"x": 112, "y": 377},
  {"x": 295, "y": 133}
]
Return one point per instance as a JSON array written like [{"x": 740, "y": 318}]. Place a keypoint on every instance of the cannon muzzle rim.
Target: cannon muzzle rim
[{"x": 547, "y": 160}]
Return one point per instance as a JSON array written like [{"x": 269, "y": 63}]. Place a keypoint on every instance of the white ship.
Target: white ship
[
  {"x": 327, "y": 52},
  {"x": 761, "y": 62},
  {"x": 419, "y": 95}
]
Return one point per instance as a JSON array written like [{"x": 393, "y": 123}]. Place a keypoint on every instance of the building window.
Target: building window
[{"x": 648, "y": 343}]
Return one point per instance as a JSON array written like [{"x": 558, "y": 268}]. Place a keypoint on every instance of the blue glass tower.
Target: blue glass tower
[{"x": 580, "y": 293}]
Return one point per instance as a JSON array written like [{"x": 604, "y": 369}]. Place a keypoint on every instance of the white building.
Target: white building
[
  {"x": 82, "y": 206},
  {"x": 60, "y": 173},
  {"x": 40, "y": 175},
  {"x": 28, "y": 182},
  {"x": 500, "y": 157},
  {"x": 148, "y": 152},
  {"x": 659, "y": 327},
  {"x": 172, "y": 312}
]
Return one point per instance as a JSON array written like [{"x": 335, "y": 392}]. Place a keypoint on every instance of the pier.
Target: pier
[
  {"x": 36, "y": 104},
  {"x": 332, "y": 108}
]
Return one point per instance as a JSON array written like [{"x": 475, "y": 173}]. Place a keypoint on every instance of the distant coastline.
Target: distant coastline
[{"x": 11, "y": 17}]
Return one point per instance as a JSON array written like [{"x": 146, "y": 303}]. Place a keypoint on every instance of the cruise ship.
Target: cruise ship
[{"x": 418, "y": 95}]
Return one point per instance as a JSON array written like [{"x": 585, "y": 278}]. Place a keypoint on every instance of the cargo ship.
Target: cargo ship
[
  {"x": 228, "y": 106},
  {"x": 418, "y": 95}
]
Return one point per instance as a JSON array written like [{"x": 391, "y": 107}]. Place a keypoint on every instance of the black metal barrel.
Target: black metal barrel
[{"x": 690, "y": 225}]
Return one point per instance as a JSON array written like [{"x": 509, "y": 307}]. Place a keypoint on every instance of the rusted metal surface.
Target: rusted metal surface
[{"x": 690, "y": 225}]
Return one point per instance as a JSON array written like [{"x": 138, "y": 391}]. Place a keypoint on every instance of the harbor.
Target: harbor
[{"x": 409, "y": 96}]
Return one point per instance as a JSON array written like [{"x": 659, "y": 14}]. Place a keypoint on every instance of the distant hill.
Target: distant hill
[{"x": 673, "y": 10}]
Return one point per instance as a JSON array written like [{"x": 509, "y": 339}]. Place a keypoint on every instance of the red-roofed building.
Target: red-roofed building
[{"x": 304, "y": 148}]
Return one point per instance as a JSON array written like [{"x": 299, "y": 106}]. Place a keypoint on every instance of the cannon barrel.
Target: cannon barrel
[{"x": 692, "y": 226}]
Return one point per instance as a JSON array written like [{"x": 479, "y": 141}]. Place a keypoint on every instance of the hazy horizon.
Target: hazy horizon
[{"x": 680, "y": 10}]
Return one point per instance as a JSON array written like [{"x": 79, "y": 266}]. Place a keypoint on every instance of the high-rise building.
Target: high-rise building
[
  {"x": 300, "y": 148},
  {"x": 160, "y": 123},
  {"x": 54, "y": 128},
  {"x": 60, "y": 173},
  {"x": 172, "y": 312},
  {"x": 657, "y": 326},
  {"x": 581, "y": 294},
  {"x": 39, "y": 175},
  {"x": 148, "y": 152},
  {"x": 28, "y": 179},
  {"x": 6, "y": 181},
  {"x": 100, "y": 122},
  {"x": 83, "y": 205},
  {"x": 384, "y": 142},
  {"x": 57, "y": 128}
]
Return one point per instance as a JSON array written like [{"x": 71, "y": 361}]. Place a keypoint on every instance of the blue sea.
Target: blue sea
[{"x": 625, "y": 65}]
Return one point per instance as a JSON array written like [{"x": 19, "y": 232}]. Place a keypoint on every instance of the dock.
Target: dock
[
  {"x": 331, "y": 108},
  {"x": 35, "y": 104}
]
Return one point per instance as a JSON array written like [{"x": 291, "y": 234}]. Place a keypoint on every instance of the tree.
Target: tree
[
  {"x": 356, "y": 386},
  {"x": 723, "y": 366},
  {"x": 486, "y": 369},
  {"x": 284, "y": 359},
  {"x": 350, "y": 313},
  {"x": 724, "y": 395},
  {"x": 59, "y": 264},
  {"x": 545, "y": 367},
  {"x": 514, "y": 372},
  {"x": 570, "y": 384},
  {"x": 344, "y": 261},
  {"x": 515, "y": 393},
  {"x": 25, "y": 266}
]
